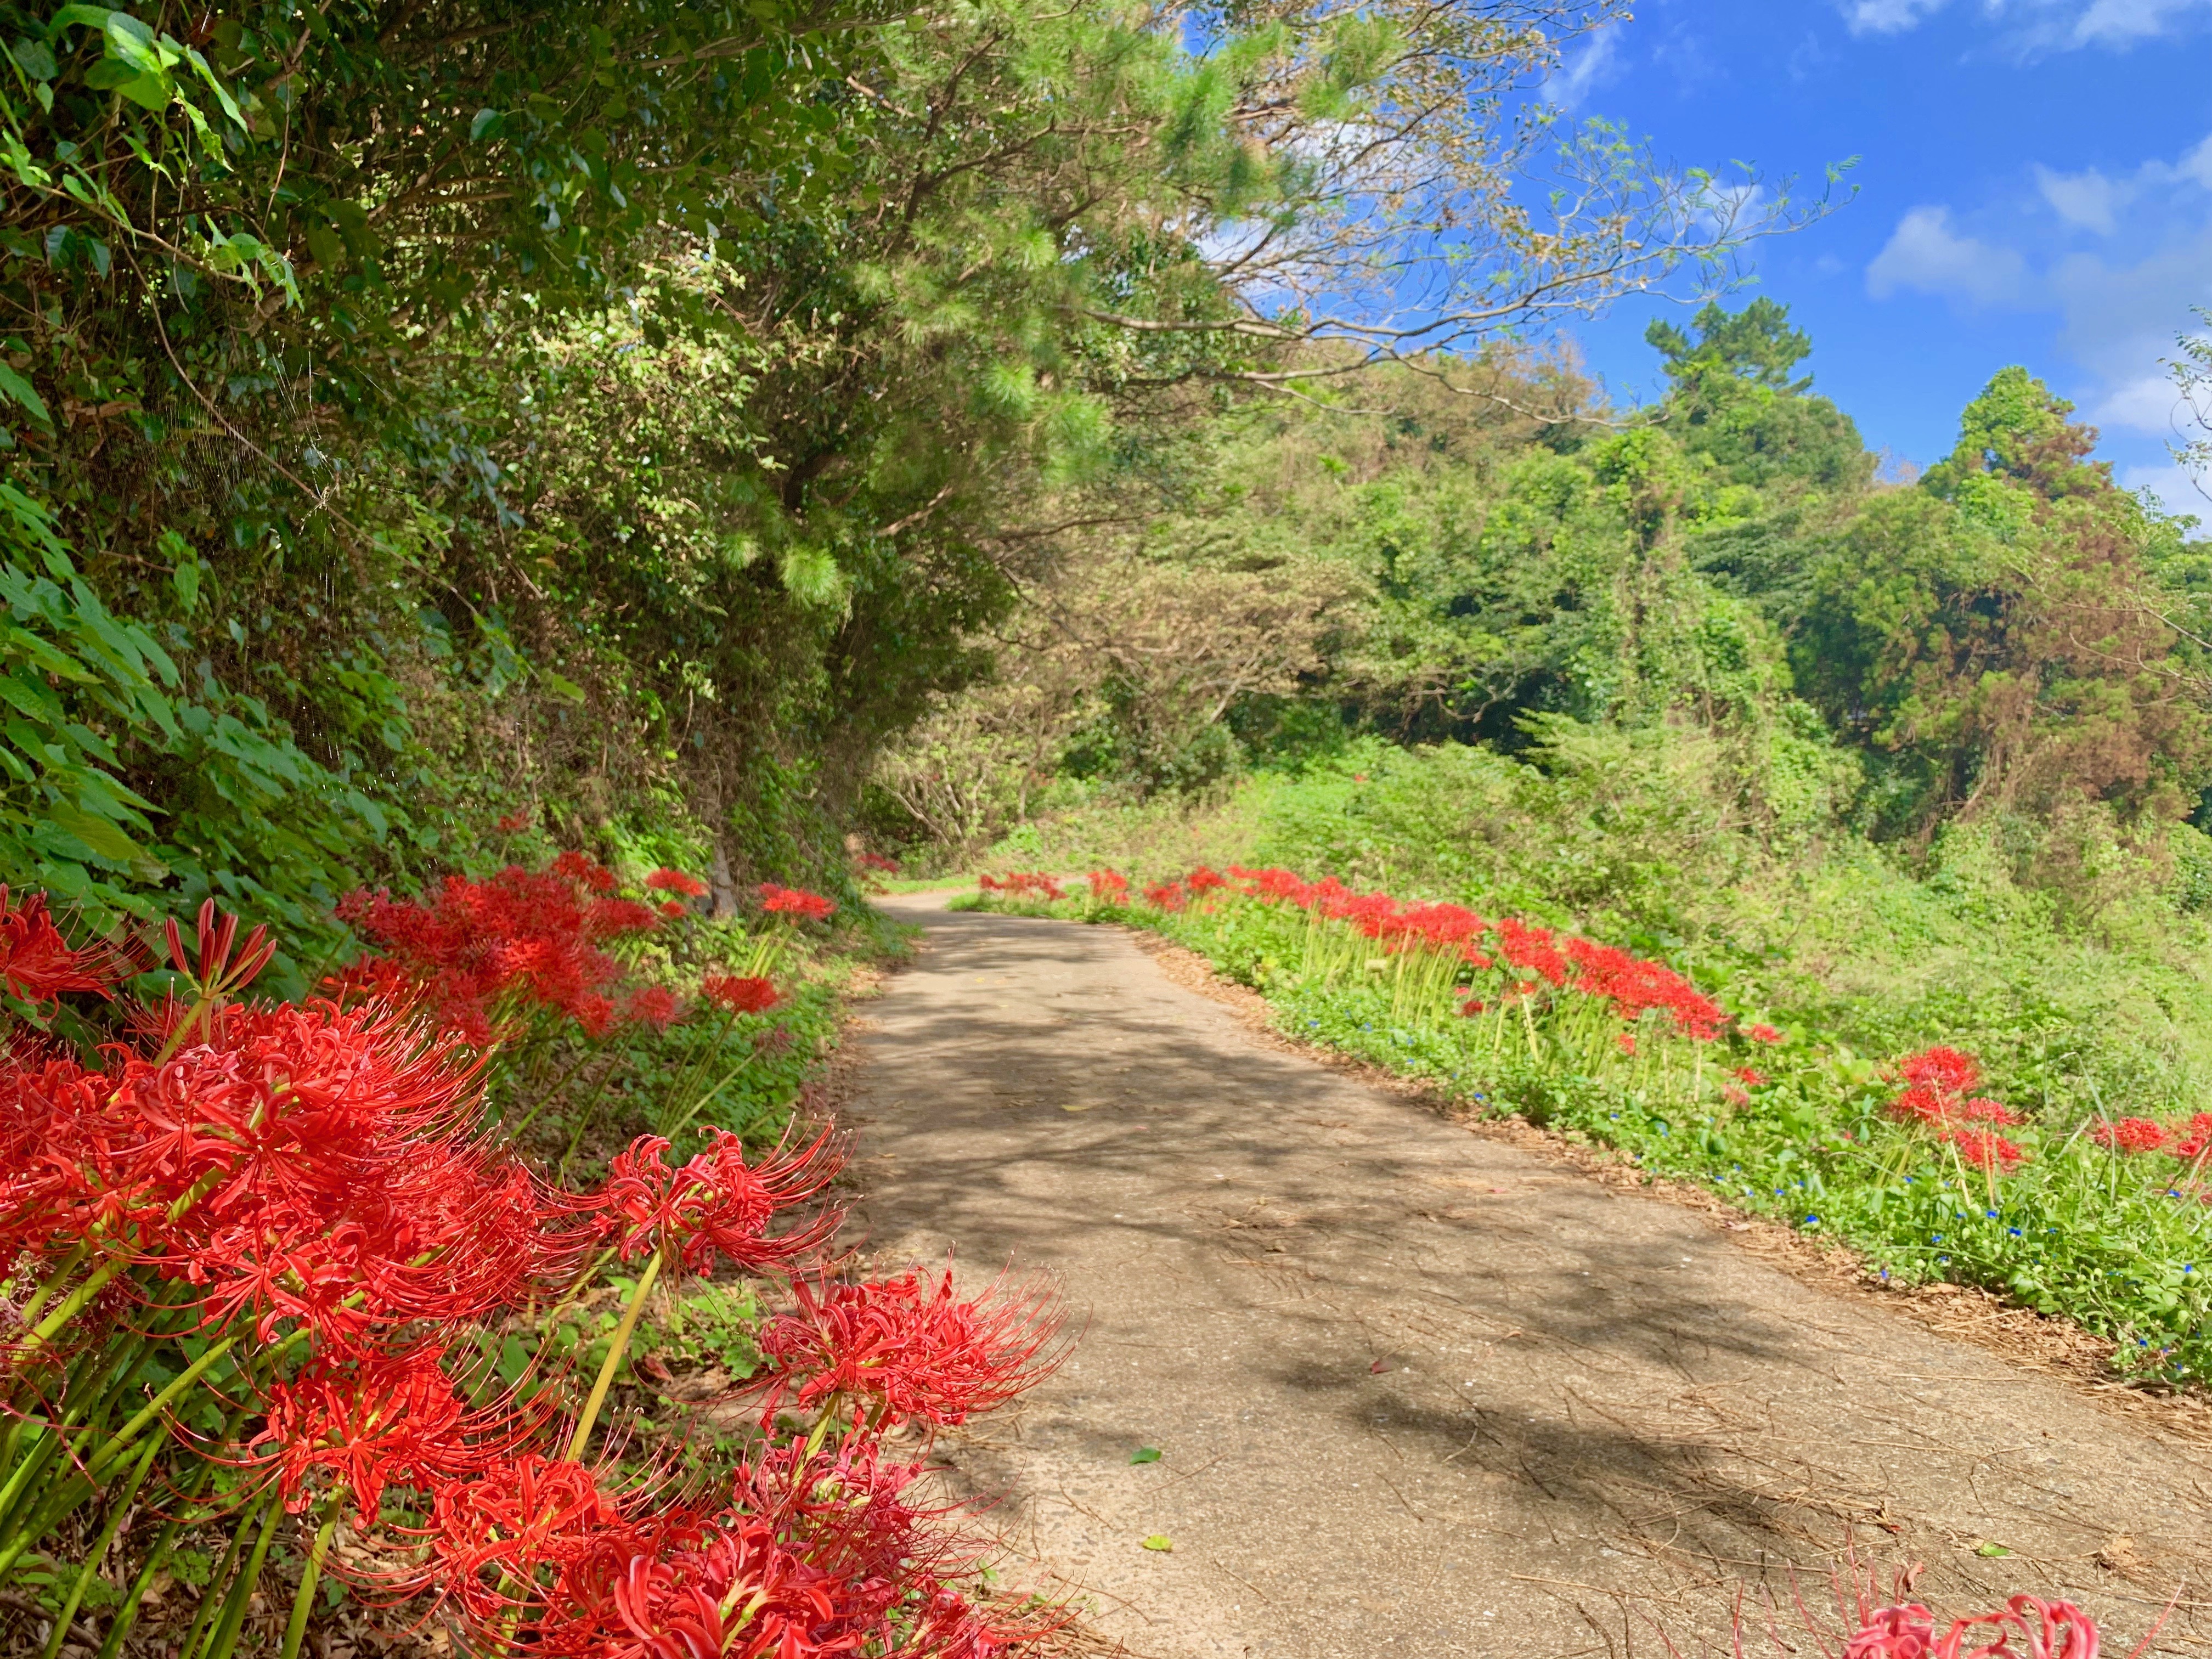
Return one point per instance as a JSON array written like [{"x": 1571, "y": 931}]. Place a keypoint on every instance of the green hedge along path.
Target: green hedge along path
[{"x": 1417, "y": 1391}]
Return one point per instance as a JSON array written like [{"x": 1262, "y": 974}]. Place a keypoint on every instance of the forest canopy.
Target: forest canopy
[{"x": 642, "y": 413}]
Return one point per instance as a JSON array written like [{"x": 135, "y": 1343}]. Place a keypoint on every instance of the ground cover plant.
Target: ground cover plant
[
  {"x": 1932, "y": 1162},
  {"x": 313, "y": 1328}
]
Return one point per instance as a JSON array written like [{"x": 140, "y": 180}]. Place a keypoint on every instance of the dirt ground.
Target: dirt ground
[{"x": 1422, "y": 1391}]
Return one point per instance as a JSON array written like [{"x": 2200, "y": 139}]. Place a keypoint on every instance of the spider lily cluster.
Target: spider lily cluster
[
  {"x": 1920, "y": 1161},
  {"x": 262, "y": 1260}
]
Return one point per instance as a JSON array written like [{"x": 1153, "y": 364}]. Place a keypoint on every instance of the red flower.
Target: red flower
[
  {"x": 1531, "y": 949},
  {"x": 1165, "y": 895},
  {"x": 671, "y": 908},
  {"x": 1471, "y": 1007},
  {"x": 675, "y": 881},
  {"x": 1984, "y": 1148},
  {"x": 511, "y": 822},
  {"x": 1764, "y": 1034},
  {"x": 1905, "y": 1632},
  {"x": 2194, "y": 1137},
  {"x": 907, "y": 1349},
  {"x": 877, "y": 862},
  {"x": 654, "y": 1004},
  {"x": 1625, "y": 1042},
  {"x": 1108, "y": 887},
  {"x": 795, "y": 901},
  {"x": 374, "y": 1420},
  {"x": 474, "y": 950},
  {"x": 585, "y": 871},
  {"x": 1749, "y": 1078},
  {"x": 1945, "y": 1070},
  {"x": 740, "y": 995},
  {"x": 717, "y": 1204},
  {"x": 2130, "y": 1134},
  {"x": 1203, "y": 880},
  {"x": 38, "y": 965}
]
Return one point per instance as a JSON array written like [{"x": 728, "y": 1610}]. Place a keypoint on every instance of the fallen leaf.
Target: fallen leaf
[
  {"x": 1159, "y": 1541},
  {"x": 1379, "y": 1366},
  {"x": 1146, "y": 1455},
  {"x": 1991, "y": 1550}
]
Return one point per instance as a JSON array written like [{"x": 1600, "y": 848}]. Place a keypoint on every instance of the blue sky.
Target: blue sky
[{"x": 2034, "y": 186}]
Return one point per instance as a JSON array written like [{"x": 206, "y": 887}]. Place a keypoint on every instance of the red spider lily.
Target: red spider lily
[
  {"x": 213, "y": 968},
  {"x": 2130, "y": 1134},
  {"x": 1945, "y": 1070},
  {"x": 1985, "y": 1148},
  {"x": 1031, "y": 883},
  {"x": 672, "y": 910},
  {"x": 1110, "y": 887},
  {"x": 1471, "y": 1007},
  {"x": 1165, "y": 895},
  {"x": 509, "y": 822},
  {"x": 795, "y": 901},
  {"x": 1625, "y": 1042},
  {"x": 585, "y": 871},
  {"x": 2043, "y": 1630},
  {"x": 654, "y": 1004},
  {"x": 1203, "y": 880},
  {"x": 675, "y": 881},
  {"x": 38, "y": 965},
  {"x": 1750, "y": 1078},
  {"x": 717, "y": 1205},
  {"x": 877, "y": 862},
  {"x": 374, "y": 1420},
  {"x": 907, "y": 1349},
  {"x": 740, "y": 994},
  {"x": 493, "y": 1537},
  {"x": 2192, "y": 1139},
  {"x": 1763, "y": 1034},
  {"x": 1531, "y": 949},
  {"x": 1634, "y": 987},
  {"x": 518, "y": 938},
  {"x": 1936, "y": 1081}
]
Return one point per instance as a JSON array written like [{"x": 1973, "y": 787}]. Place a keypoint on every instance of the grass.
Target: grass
[{"x": 2122, "y": 1245}]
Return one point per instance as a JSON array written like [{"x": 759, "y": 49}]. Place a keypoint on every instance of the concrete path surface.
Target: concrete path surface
[{"x": 1420, "y": 1392}]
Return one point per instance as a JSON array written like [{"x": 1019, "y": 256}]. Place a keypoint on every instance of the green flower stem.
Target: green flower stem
[
  {"x": 224, "y": 1638},
  {"x": 126, "y": 1616},
  {"x": 118, "y": 1508},
  {"x": 304, "y": 1603},
  {"x": 121, "y": 1439},
  {"x": 623, "y": 1332}
]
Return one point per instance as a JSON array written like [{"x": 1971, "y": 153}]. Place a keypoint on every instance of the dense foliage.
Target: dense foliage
[
  {"x": 639, "y": 411},
  {"x": 2071, "y": 1199}
]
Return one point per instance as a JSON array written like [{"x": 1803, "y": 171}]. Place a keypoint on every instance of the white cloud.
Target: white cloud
[
  {"x": 2122, "y": 22},
  {"x": 1594, "y": 66},
  {"x": 1926, "y": 254},
  {"x": 2040, "y": 25},
  {"x": 2148, "y": 403},
  {"x": 2087, "y": 198},
  {"x": 2176, "y": 488},
  {"x": 1886, "y": 16},
  {"x": 2198, "y": 164}
]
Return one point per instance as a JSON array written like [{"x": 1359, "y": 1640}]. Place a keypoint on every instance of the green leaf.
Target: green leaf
[
  {"x": 1146, "y": 1455},
  {"x": 104, "y": 838},
  {"x": 486, "y": 125},
  {"x": 20, "y": 390},
  {"x": 93, "y": 17},
  {"x": 1991, "y": 1550},
  {"x": 35, "y": 58},
  {"x": 1159, "y": 1541},
  {"x": 131, "y": 42},
  {"x": 565, "y": 689}
]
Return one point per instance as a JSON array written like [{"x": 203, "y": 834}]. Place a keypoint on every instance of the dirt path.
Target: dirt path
[{"x": 1420, "y": 1392}]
